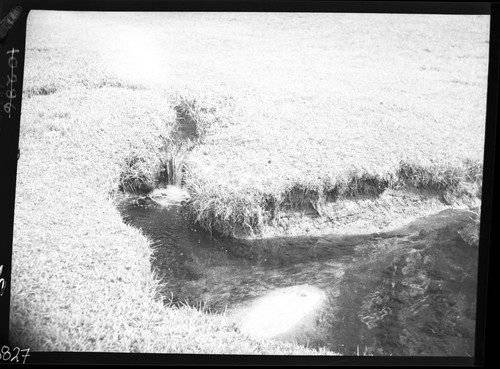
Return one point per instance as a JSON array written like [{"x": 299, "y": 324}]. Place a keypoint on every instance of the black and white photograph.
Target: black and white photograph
[{"x": 250, "y": 183}]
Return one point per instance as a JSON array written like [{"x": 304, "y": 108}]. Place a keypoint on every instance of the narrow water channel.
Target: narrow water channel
[{"x": 407, "y": 292}]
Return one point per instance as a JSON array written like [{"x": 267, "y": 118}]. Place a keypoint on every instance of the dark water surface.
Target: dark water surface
[{"x": 411, "y": 291}]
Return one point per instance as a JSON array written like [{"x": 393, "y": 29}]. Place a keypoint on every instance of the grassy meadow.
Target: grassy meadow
[
  {"x": 291, "y": 106},
  {"x": 327, "y": 102}
]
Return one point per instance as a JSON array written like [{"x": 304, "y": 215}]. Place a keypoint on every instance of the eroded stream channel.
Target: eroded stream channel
[{"x": 411, "y": 291}]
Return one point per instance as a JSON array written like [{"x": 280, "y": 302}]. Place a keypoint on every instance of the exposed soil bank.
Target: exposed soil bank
[
  {"x": 253, "y": 213},
  {"x": 307, "y": 236},
  {"x": 407, "y": 291},
  {"x": 388, "y": 210}
]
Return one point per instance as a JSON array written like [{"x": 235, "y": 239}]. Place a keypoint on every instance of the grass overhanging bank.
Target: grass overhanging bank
[
  {"x": 129, "y": 149},
  {"x": 236, "y": 196},
  {"x": 82, "y": 279},
  {"x": 94, "y": 288},
  {"x": 245, "y": 206},
  {"x": 243, "y": 213}
]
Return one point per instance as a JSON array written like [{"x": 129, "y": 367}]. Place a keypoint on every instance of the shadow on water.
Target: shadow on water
[{"x": 410, "y": 291}]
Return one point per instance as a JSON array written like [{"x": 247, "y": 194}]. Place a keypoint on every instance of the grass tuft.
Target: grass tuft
[
  {"x": 199, "y": 116},
  {"x": 40, "y": 91},
  {"x": 139, "y": 174}
]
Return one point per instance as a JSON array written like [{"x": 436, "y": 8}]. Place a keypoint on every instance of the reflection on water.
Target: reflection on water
[{"x": 409, "y": 292}]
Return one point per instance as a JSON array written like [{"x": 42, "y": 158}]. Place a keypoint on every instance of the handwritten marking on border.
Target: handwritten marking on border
[
  {"x": 2, "y": 282},
  {"x": 11, "y": 93},
  {"x": 6, "y": 355}
]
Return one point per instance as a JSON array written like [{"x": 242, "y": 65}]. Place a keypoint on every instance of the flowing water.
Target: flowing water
[{"x": 407, "y": 292}]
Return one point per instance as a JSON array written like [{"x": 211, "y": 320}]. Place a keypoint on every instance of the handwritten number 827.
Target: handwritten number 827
[{"x": 5, "y": 354}]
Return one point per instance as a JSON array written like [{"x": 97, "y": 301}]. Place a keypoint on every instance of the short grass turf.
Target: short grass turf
[
  {"x": 81, "y": 278},
  {"x": 306, "y": 102},
  {"x": 346, "y": 97},
  {"x": 352, "y": 95}
]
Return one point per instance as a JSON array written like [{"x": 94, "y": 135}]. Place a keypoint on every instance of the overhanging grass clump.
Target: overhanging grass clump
[
  {"x": 440, "y": 176},
  {"x": 140, "y": 173},
  {"x": 198, "y": 116},
  {"x": 188, "y": 123},
  {"x": 229, "y": 215}
]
